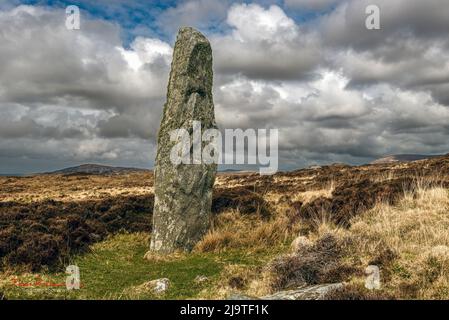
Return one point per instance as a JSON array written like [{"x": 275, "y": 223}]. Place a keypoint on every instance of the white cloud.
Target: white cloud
[
  {"x": 265, "y": 43},
  {"x": 253, "y": 23},
  {"x": 145, "y": 50}
]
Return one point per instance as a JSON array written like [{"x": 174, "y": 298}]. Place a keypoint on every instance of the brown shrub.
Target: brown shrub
[
  {"x": 46, "y": 233},
  {"x": 237, "y": 282},
  {"x": 36, "y": 250},
  {"x": 357, "y": 292},
  {"x": 338, "y": 272},
  {"x": 242, "y": 199},
  {"x": 409, "y": 290},
  {"x": 312, "y": 264},
  {"x": 385, "y": 258},
  {"x": 215, "y": 241},
  {"x": 353, "y": 198}
]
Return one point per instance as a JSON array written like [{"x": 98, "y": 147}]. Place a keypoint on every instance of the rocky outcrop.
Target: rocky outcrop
[{"x": 315, "y": 292}]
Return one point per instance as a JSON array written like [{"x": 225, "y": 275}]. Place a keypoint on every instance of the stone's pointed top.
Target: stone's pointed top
[
  {"x": 191, "y": 69},
  {"x": 189, "y": 30},
  {"x": 191, "y": 33}
]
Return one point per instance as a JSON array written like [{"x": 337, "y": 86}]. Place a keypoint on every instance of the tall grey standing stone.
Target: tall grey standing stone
[{"x": 183, "y": 193}]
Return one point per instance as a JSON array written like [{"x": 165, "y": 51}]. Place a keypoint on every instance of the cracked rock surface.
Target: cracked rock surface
[{"x": 183, "y": 192}]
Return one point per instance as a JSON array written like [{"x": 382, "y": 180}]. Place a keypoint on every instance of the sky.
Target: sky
[{"x": 336, "y": 91}]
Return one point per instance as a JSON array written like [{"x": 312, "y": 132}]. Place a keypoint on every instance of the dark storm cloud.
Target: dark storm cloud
[
  {"x": 411, "y": 50},
  {"x": 27, "y": 127},
  {"x": 26, "y": 155},
  {"x": 345, "y": 26},
  {"x": 138, "y": 124}
]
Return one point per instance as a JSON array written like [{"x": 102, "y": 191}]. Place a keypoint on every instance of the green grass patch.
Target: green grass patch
[{"x": 115, "y": 266}]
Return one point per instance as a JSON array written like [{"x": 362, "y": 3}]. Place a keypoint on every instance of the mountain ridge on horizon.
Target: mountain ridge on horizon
[
  {"x": 92, "y": 168},
  {"x": 404, "y": 158}
]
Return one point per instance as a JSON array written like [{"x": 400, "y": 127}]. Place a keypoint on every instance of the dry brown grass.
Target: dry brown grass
[
  {"x": 357, "y": 292},
  {"x": 231, "y": 229},
  {"x": 417, "y": 231},
  {"x": 233, "y": 278},
  {"x": 74, "y": 187},
  {"x": 384, "y": 176},
  {"x": 309, "y": 196},
  {"x": 409, "y": 241},
  {"x": 234, "y": 230}
]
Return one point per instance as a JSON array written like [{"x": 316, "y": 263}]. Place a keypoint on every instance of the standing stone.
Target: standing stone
[{"x": 183, "y": 193}]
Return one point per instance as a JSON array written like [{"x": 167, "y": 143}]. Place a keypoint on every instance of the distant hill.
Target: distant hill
[
  {"x": 95, "y": 169},
  {"x": 403, "y": 158},
  {"x": 229, "y": 171}
]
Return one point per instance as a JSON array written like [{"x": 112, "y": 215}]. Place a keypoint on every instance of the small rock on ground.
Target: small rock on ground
[
  {"x": 201, "y": 279},
  {"x": 299, "y": 243},
  {"x": 158, "y": 286}
]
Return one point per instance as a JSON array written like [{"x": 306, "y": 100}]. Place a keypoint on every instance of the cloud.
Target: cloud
[
  {"x": 345, "y": 26},
  {"x": 265, "y": 43},
  {"x": 203, "y": 14},
  {"x": 337, "y": 91},
  {"x": 77, "y": 86},
  {"x": 325, "y": 119},
  {"x": 48, "y": 63},
  {"x": 26, "y": 155},
  {"x": 316, "y": 5},
  {"x": 410, "y": 50}
]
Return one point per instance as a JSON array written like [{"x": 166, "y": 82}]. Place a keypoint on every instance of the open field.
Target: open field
[{"x": 341, "y": 218}]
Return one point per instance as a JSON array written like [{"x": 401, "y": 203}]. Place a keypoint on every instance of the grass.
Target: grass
[
  {"x": 74, "y": 188},
  {"x": 234, "y": 230},
  {"x": 417, "y": 230},
  {"x": 115, "y": 268},
  {"x": 408, "y": 241}
]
